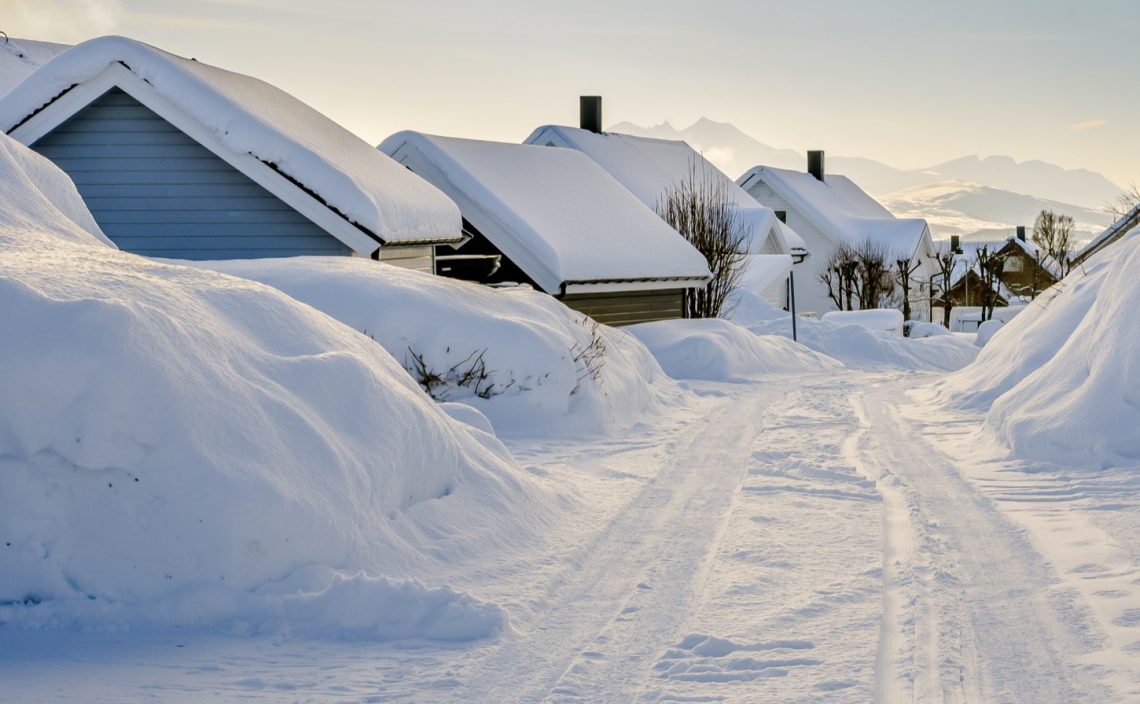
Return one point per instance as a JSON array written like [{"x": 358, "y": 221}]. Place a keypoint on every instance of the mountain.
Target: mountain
[
  {"x": 1037, "y": 177},
  {"x": 734, "y": 152},
  {"x": 974, "y": 211}
]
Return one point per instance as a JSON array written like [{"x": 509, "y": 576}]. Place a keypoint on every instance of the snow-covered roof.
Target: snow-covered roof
[
  {"x": 649, "y": 166},
  {"x": 840, "y": 209},
  {"x": 1115, "y": 231},
  {"x": 555, "y": 213},
  {"x": 239, "y": 117},
  {"x": 20, "y": 57}
]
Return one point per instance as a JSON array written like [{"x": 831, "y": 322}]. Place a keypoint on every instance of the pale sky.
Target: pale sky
[{"x": 908, "y": 82}]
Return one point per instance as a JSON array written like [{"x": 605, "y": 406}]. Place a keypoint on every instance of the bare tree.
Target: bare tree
[
  {"x": 838, "y": 276},
  {"x": 946, "y": 262},
  {"x": 904, "y": 272},
  {"x": 700, "y": 208},
  {"x": 1054, "y": 234},
  {"x": 874, "y": 280},
  {"x": 1124, "y": 203},
  {"x": 989, "y": 268}
]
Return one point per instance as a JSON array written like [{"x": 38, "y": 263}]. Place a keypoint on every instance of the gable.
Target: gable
[{"x": 157, "y": 192}]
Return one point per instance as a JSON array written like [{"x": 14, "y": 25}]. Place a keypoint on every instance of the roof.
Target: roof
[
  {"x": 840, "y": 209},
  {"x": 20, "y": 57},
  {"x": 1115, "y": 231},
  {"x": 554, "y": 212},
  {"x": 252, "y": 125},
  {"x": 649, "y": 166}
]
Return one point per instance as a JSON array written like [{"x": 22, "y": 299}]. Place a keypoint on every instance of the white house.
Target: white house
[
  {"x": 827, "y": 210},
  {"x": 556, "y": 220},
  {"x": 649, "y": 167},
  {"x": 178, "y": 159}
]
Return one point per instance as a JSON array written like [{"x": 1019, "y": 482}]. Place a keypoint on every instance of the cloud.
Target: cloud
[
  {"x": 1088, "y": 125},
  {"x": 66, "y": 21}
]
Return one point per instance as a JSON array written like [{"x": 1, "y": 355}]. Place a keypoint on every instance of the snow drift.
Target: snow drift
[
  {"x": 853, "y": 345},
  {"x": 542, "y": 368},
  {"x": 174, "y": 442},
  {"x": 720, "y": 350},
  {"x": 1060, "y": 381}
]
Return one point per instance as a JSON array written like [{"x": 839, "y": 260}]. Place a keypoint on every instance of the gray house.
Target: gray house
[{"x": 182, "y": 160}]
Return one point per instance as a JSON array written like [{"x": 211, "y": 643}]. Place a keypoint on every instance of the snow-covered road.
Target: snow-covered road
[{"x": 793, "y": 540}]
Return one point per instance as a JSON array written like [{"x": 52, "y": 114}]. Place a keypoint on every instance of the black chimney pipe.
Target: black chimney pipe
[
  {"x": 590, "y": 113},
  {"x": 955, "y": 244},
  {"x": 1021, "y": 232},
  {"x": 815, "y": 164}
]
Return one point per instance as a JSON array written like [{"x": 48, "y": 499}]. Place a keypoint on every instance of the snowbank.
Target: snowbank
[
  {"x": 720, "y": 350},
  {"x": 1062, "y": 377},
  {"x": 881, "y": 320},
  {"x": 185, "y": 447},
  {"x": 541, "y": 368},
  {"x": 252, "y": 117},
  {"x": 986, "y": 331},
  {"x": 855, "y": 346}
]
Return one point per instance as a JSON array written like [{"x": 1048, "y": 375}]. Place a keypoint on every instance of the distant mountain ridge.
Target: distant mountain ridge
[
  {"x": 964, "y": 196},
  {"x": 735, "y": 152}
]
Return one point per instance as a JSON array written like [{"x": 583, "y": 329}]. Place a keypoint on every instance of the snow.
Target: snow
[
  {"x": 986, "y": 331},
  {"x": 1114, "y": 232},
  {"x": 648, "y": 167},
  {"x": 249, "y": 116},
  {"x": 1059, "y": 378},
  {"x": 20, "y": 57},
  {"x": 528, "y": 342},
  {"x": 841, "y": 210},
  {"x": 184, "y": 448},
  {"x": 919, "y": 329},
  {"x": 853, "y": 345},
  {"x": 553, "y": 212},
  {"x": 720, "y": 350},
  {"x": 886, "y": 320}
]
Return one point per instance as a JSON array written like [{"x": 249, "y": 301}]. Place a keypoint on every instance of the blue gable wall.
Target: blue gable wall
[{"x": 157, "y": 192}]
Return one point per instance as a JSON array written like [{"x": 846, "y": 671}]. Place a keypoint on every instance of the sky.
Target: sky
[{"x": 908, "y": 82}]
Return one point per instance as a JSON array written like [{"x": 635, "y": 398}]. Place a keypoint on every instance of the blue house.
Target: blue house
[{"x": 182, "y": 160}]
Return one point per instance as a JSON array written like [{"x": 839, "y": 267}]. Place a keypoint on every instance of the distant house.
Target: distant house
[
  {"x": 1115, "y": 232},
  {"x": 829, "y": 210},
  {"x": 649, "y": 167},
  {"x": 182, "y": 160},
  {"x": 556, "y": 220},
  {"x": 1023, "y": 273}
]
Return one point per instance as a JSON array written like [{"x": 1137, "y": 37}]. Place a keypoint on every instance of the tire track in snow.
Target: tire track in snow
[{"x": 969, "y": 613}]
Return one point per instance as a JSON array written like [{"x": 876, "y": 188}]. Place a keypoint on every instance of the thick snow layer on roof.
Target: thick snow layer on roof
[
  {"x": 1059, "y": 380},
  {"x": 554, "y": 212},
  {"x": 183, "y": 447},
  {"x": 841, "y": 210},
  {"x": 20, "y": 57},
  {"x": 721, "y": 350},
  {"x": 537, "y": 383},
  {"x": 649, "y": 167},
  {"x": 1124, "y": 225},
  {"x": 250, "y": 116}
]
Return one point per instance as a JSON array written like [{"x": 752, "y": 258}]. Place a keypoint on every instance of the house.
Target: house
[
  {"x": 648, "y": 167},
  {"x": 829, "y": 210},
  {"x": 554, "y": 219},
  {"x": 178, "y": 159},
  {"x": 1115, "y": 232},
  {"x": 1023, "y": 272}
]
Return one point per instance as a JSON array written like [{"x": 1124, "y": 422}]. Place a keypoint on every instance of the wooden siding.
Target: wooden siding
[
  {"x": 420, "y": 258},
  {"x": 628, "y": 307},
  {"x": 155, "y": 191}
]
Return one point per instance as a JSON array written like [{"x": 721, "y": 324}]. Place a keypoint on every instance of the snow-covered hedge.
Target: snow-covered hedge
[
  {"x": 182, "y": 446},
  {"x": 721, "y": 350},
  {"x": 539, "y": 367},
  {"x": 855, "y": 346}
]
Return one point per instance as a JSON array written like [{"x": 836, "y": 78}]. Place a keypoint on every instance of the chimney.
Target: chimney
[
  {"x": 815, "y": 164},
  {"x": 1021, "y": 232},
  {"x": 955, "y": 244},
  {"x": 590, "y": 112}
]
